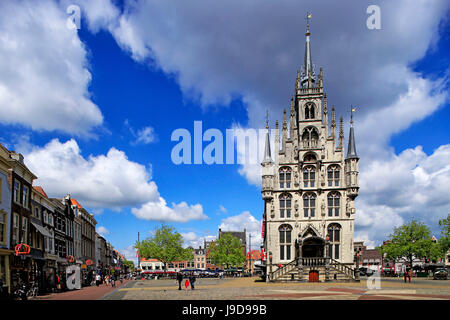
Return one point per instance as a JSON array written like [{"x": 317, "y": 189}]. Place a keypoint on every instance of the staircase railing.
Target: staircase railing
[
  {"x": 283, "y": 270},
  {"x": 343, "y": 268}
]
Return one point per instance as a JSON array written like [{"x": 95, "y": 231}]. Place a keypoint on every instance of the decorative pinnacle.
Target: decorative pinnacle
[
  {"x": 284, "y": 119},
  {"x": 352, "y": 109},
  {"x": 267, "y": 119},
  {"x": 333, "y": 117},
  {"x": 325, "y": 106},
  {"x": 308, "y": 17}
]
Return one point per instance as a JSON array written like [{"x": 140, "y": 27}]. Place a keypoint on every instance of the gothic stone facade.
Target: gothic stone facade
[{"x": 310, "y": 185}]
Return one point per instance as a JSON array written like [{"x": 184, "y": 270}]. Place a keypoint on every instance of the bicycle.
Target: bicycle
[{"x": 33, "y": 291}]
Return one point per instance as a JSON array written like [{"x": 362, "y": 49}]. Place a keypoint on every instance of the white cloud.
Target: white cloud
[
  {"x": 44, "y": 76},
  {"x": 103, "y": 181},
  {"x": 145, "y": 135},
  {"x": 191, "y": 239},
  {"x": 102, "y": 230},
  {"x": 159, "y": 211},
  {"x": 222, "y": 209},
  {"x": 129, "y": 253}
]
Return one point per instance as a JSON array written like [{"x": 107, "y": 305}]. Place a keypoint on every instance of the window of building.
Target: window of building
[
  {"x": 37, "y": 213},
  {"x": 285, "y": 205},
  {"x": 285, "y": 232},
  {"x": 2, "y": 227},
  {"x": 309, "y": 176},
  {"x": 310, "y": 137},
  {"x": 285, "y": 177},
  {"x": 333, "y": 204},
  {"x": 310, "y": 111},
  {"x": 16, "y": 195},
  {"x": 333, "y": 176},
  {"x": 181, "y": 265},
  {"x": 1, "y": 186},
  {"x": 25, "y": 196},
  {"x": 25, "y": 230},
  {"x": 334, "y": 234},
  {"x": 50, "y": 219},
  {"x": 309, "y": 205}
]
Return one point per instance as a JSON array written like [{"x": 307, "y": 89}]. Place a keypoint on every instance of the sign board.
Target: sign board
[{"x": 83, "y": 266}]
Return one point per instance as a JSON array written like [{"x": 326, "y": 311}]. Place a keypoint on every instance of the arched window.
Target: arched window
[
  {"x": 285, "y": 231},
  {"x": 333, "y": 175},
  {"x": 309, "y": 205},
  {"x": 309, "y": 176},
  {"x": 285, "y": 205},
  {"x": 285, "y": 177},
  {"x": 310, "y": 137},
  {"x": 333, "y": 204},
  {"x": 309, "y": 111},
  {"x": 334, "y": 234}
]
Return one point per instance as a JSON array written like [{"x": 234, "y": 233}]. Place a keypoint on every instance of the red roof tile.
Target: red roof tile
[
  {"x": 75, "y": 203},
  {"x": 40, "y": 190}
]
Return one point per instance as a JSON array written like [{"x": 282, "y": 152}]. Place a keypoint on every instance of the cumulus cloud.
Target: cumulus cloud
[
  {"x": 191, "y": 239},
  {"x": 103, "y": 181},
  {"x": 144, "y": 135},
  {"x": 159, "y": 211},
  {"x": 44, "y": 76}
]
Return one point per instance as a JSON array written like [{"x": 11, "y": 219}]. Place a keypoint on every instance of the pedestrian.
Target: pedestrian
[
  {"x": 179, "y": 279},
  {"x": 113, "y": 280},
  {"x": 98, "y": 280},
  {"x": 192, "y": 280}
]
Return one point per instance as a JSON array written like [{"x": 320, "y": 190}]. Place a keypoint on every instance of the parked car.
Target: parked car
[{"x": 440, "y": 274}]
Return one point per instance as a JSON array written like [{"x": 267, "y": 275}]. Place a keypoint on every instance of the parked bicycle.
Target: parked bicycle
[
  {"x": 34, "y": 290},
  {"x": 21, "y": 292}
]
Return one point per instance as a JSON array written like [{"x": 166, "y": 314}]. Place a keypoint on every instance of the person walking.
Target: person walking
[
  {"x": 98, "y": 279},
  {"x": 179, "y": 279},
  {"x": 113, "y": 280},
  {"x": 192, "y": 280}
]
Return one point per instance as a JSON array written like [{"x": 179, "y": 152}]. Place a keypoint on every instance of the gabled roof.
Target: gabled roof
[
  {"x": 40, "y": 190},
  {"x": 75, "y": 203}
]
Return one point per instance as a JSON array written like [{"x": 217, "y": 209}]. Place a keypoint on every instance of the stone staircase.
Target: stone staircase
[{"x": 328, "y": 270}]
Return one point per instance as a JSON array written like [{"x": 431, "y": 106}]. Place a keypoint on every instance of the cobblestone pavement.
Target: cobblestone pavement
[
  {"x": 249, "y": 289},
  {"x": 85, "y": 293}
]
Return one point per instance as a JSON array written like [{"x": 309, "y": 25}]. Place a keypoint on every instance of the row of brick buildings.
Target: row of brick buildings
[{"x": 41, "y": 236}]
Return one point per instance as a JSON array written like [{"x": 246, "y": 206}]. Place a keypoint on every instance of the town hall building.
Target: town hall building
[{"x": 309, "y": 185}]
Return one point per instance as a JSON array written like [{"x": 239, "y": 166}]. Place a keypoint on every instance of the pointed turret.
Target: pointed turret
[
  {"x": 351, "y": 150},
  {"x": 267, "y": 153},
  {"x": 308, "y": 74}
]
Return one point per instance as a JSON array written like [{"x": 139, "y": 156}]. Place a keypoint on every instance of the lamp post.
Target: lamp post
[
  {"x": 357, "y": 267},
  {"x": 327, "y": 255},
  {"x": 270, "y": 265}
]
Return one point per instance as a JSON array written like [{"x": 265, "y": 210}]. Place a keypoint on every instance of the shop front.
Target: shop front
[
  {"x": 50, "y": 272},
  {"x": 5, "y": 276},
  {"x": 61, "y": 265},
  {"x": 37, "y": 269}
]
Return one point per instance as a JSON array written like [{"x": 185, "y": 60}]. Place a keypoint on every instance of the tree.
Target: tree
[
  {"x": 227, "y": 250},
  {"x": 444, "y": 241},
  {"x": 412, "y": 240},
  {"x": 128, "y": 264},
  {"x": 166, "y": 245}
]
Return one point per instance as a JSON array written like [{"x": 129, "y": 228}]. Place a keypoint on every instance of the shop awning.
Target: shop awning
[{"x": 41, "y": 229}]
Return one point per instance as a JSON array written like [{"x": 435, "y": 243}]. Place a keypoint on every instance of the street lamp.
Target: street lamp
[{"x": 270, "y": 264}]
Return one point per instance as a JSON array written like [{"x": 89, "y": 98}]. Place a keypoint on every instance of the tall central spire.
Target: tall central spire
[{"x": 308, "y": 68}]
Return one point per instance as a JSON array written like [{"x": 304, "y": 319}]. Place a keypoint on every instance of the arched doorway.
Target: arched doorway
[{"x": 313, "y": 247}]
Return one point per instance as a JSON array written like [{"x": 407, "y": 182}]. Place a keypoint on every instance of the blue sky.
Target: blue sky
[{"x": 161, "y": 67}]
